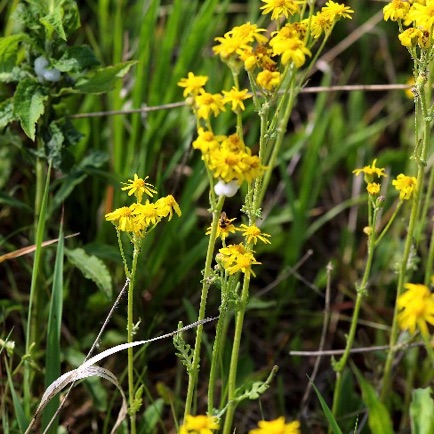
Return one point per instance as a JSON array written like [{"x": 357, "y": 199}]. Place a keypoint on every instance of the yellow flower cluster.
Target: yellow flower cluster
[
  {"x": 277, "y": 426},
  {"x": 236, "y": 257},
  {"x": 228, "y": 157},
  {"x": 139, "y": 217},
  {"x": 418, "y": 17},
  {"x": 416, "y": 307},
  {"x": 199, "y": 425}
]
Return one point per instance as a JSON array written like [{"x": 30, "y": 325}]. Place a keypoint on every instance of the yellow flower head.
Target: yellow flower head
[
  {"x": 279, "y": 8},
  {"x": 406, "y": 185},
  {"x": 259, "y": 56},
  {"x": 207, "y": 103},
  {"x": 252, "y": 234},
  {"x": 416, "y": 307},
  {"x": 224, "y": 228},
  {"x": 320, "y": 23},
  {"x": 422, "y": 15},
  {"x": 292, "y": 49},
  {"x": 122, "y": 218},
  {"x": 229, "y": 45},
  {"x": 268, "y": 80},
  {"x": 370, "y": 171},
  {"x": 193, "y": 84},
  {"x": 335, "y": 11},
  {"x": 236, "y": 97},
  {"x": 411, "y": 37},
  {"x": 199, "y": 425},
  {"x": 277, "y": 426},
  {"x": 236, "y": 258},
  {"x": 166, "y": 205},
  {"x": 373, "y": 188},
  {"x": 207, "y": 142},
  {"x": 396, "y": 10},
  {"x": 138, "y": 187},
  {"x": 145, "y": 215},
  {"x": 248, "y": 33}
]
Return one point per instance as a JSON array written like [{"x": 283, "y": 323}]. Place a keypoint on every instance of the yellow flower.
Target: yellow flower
[
  {"x": 252, "y": 234},
  {"x": 199, "y": 425},
  {"x": 207, "y": 142},
  {"x": 258, "y": 56},
  {"x": 138, "y": 186},
  {"x": 122, "y": 218},
  {"x": 320, "y": 23},
  {"x": 422, "y": 15},
  {"x": 224, "y": 228},
  {"x": 335, "y": 11},
  {"x": 166, "y": 205},
  {"x": 416, "y": 307},
  {"x": 406, "y": 185},
  {"x": 291, "y": 49},
  {"x": 207, "y": 103},
  {"x": 193, "y": 84},
  {"x": 268, "y": 80},
  {"x": 370, "y": 171},
  {"x": 277, "y": 426},
  {"x": 396, "y": 10},
  {"x": 248, "y": 33},
  {"x": 229, "y": 45},
  {"x": 145, "y": 215},
  {"x": 279, "y": 8},
  {"x": 411, "y": 37},
  {"x": 236, "y": 258},
  {"x": 236, "y": 98},
  {"x": 373, "y": 188}
]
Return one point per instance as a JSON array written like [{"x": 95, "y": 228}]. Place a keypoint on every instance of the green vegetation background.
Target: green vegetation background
[{"x": 314, "y": 209}]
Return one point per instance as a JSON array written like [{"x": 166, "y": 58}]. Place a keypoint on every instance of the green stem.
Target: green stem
[
  {"x": 420, "y": 156},
  {"x": 192, "y": 376},
  {"x": 361, "y": 292},
  {"x": 389, "y": 223},
  {"x": 232, "y": 379},
  {"x": 219, "y": 336},
  {"x": 130, "y": 333}
]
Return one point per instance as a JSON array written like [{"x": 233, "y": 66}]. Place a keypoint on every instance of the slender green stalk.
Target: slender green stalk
[
  {"x": 389, "y": 223},
  {"x": 219, "y": 336},
  {"x": 192, "y": 376},
  {"x": 32, "y": 324},
  {"x": 361, "y": 292},
  {"x": 420, "y": 154},
  {"x": 233, "y": 368},
  {"x": 130, "y": 332}
]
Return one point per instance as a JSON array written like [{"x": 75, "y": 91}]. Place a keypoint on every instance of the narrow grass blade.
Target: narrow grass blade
[
  {"x": 18, "y": 408},
  {"x": 327, "y": 411},
  {"x": 52, "y": 355}
]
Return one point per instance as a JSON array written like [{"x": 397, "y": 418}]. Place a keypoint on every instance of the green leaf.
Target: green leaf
[
  {"x": 103, "y": 79},
  {"x": 29, "y": 104},
  {"x": 92, "y": 268},
  {"x": 327, "y": 412},
  {"x": 379, "y": 419},
  {"x": 7, "y": 112},
  {"x": 421, "y": 411},
  {"x": 8, "y": 54},
  {"x": 76, "y": 59},
  {"x": 151, "y": 416},
  {"x": 53, "y": 22}
]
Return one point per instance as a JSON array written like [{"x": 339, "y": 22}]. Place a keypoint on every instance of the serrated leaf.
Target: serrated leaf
[
  {"x": 29, "y": 105},
  {"x": 92, "y": 268},
  {"x": 53, "y": 21},
  {"x": 421, "y": 411},
  {"x": 54, "y": 142},
  {"x": 7, "y": 112},
  {"x": 76, "y": 59},
  {"x": 103, "y": 79}
]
